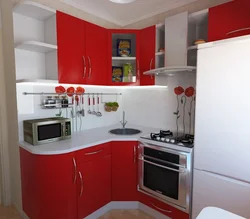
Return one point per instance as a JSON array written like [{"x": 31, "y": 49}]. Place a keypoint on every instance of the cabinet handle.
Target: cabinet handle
[
  {"x": 85, "y": 67},
  {"x": 74, "y": 162},
  {"x": 96, "y": 152},
  {"x": 238, "y": 30},
  {"x": 81, "y": 179},
  {"x": 134, "y": 154},
  {"x": 150, "y": 65},
  {"x": 90, "y": 67},
  {"x": 160, "y": 208}
]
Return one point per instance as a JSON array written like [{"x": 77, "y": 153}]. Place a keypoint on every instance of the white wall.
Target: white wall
[
  {"x": 139, "y": 111},
  {"x": 185, "y": 81}
]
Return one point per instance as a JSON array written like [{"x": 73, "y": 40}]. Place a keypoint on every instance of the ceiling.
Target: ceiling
[{"x": 125, "y": 14}]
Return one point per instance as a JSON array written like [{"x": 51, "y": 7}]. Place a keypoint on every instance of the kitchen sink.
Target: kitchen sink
[{"x": 125, "y": 131}]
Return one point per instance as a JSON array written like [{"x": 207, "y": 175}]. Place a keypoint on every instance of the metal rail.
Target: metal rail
[{"x": 42, "y": 93}]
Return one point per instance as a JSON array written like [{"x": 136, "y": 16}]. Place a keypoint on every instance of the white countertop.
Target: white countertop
[
  {"x": 85, "y": 139},
  {"x": 217, "y": 213}
]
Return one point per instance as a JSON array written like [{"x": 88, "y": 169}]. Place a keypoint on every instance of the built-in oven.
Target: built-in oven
[{"x": 165, "y": 173}]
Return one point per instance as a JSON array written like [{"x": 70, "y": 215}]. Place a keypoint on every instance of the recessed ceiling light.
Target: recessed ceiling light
[{"x": 122, "y": 1}]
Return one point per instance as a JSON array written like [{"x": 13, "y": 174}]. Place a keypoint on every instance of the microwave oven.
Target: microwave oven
[{"x": 47, "y": 130}]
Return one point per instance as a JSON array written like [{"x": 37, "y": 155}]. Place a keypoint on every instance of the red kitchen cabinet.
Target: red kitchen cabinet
[
  {"x": 124, "y": 171},
  {"x": 147, "y": 51},
  {"x": 82, "y": 51},
  {"x": 72, "y": 63},
  {"x": 96, "y": 54},
  {"x": 117, "y": 61},
  {"x": 162, "y": 207},
  {"x": 94, "y": 179},
  {"x": 48, "y": 186},
  {"x": 229, "y": 20}
]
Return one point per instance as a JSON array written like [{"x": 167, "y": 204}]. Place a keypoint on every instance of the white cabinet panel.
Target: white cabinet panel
[
  {"x": 217, "y": 191},
  {"x": 222, "y": 141}
]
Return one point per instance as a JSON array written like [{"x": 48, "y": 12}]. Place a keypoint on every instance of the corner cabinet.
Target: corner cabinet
[
  {"x": 124, "y": 171},
  {"x": 124, "y": 66},
  {"x": 82, "y": 51}
]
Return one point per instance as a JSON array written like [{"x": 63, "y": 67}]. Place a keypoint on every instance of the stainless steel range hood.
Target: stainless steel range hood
[{"x": 176, "y": 47}]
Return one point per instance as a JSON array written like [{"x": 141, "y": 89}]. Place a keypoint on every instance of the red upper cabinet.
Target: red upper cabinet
[
  {"x": 147, "y": 51},
  {"x": 96, "y": 54},
  {"x": 71, "y": 49},
  {"x": 124, "y": 171},
  {"x": 48, "y": 186},
  {"x": 94, "y": 179},
  {"x": 124, "y": 68},
  {"x": 229, "y": 20},
  {"x": 82, "y": 51}
]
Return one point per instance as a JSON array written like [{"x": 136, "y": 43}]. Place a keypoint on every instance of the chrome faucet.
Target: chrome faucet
[{"x": 123, "y": 122}]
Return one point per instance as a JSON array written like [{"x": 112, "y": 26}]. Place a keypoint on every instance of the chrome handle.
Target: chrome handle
[
  {"x": 238, "y": 30},
  {"x": 74, "y": 162},
  {"x": 90, "y": 67},
  {"x": 158, "y": 165},
  {"x": 85, "y": 67},
  {"x": 167, "y": 162},
  {"x": 134, "y": 154},
  {"x": 150, "y": 65},
  {"x": 160, "y": 208},
  {"x": 80, "y": 175},
  {"x": 96, "y": 152}
]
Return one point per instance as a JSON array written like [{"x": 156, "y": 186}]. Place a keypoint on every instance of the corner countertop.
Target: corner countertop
[
  {"x": 84, "y": 139},
  {"x": 212, "y": 212}
]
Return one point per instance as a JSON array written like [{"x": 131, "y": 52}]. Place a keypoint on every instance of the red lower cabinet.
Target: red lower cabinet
[
  {"x": 124, "y": 171},
  {"x": 94, "y": 179},
  {"x": 163, "y": 207},
  {"x": 48, "y": 188}
]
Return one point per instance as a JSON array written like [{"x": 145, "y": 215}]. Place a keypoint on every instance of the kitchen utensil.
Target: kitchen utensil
[
  {"x": 99, "y": 114},
  {"x": 94, "y": 112},
  {"x": 89, "y": 111},
  {"x": 82, "y": 111}
]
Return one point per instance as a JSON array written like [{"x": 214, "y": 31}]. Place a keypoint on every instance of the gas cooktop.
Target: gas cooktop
[{"x": 169, "y": 137}]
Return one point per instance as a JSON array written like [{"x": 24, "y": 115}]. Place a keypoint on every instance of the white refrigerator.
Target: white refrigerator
[{"x": 222, "y": 136}]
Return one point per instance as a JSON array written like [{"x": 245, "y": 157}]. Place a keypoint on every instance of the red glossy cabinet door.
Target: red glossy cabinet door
[
  {"x": 96, "y": 54},
  {"x": 147, "y": 51},
  {"x": 94, "y": 181},
  {"x": 229, "y": 20},
  {"x": 72, "y": 62},
  {"x": 48, "y": 188},
  {"x": 124, "y": 171}
]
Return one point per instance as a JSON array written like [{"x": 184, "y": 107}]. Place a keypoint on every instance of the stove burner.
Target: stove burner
[{"x": 166, "y": 133}]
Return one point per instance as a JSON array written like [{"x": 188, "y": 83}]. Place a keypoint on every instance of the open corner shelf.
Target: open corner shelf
[
  {"x": 34, "y": 10},
  {"x": 123, "y": 58},
  {"x": 160, "y": 53},
  {"x": 35, "y": 46},
  {"x": 194, "y": 47}
]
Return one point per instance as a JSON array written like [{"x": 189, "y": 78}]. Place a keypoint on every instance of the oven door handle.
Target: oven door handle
[{"x": 158, "y": 165}]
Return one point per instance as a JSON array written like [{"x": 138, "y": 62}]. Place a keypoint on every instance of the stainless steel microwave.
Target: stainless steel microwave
[{"x": 47, "y": 130}]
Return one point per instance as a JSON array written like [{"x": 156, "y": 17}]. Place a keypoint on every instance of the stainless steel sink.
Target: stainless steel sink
[{"x": 125, "y": 131}]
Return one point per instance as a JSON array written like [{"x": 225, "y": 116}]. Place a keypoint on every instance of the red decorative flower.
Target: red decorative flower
[
  {"x": 71, "y": 91},
  {"x": 60, "y": 89},
  {"x": 189, "y": 92},
  {"x": 80, "y": 90},
  {"x": 179, "y": 90}
]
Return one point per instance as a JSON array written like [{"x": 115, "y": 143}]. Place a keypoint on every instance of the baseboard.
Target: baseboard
[{"x": 112, "y": 206}]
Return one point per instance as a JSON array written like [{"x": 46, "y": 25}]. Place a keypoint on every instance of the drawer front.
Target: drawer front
[
  {"x": 93, "y": 153},
  {"x": 162, "y": 207}
]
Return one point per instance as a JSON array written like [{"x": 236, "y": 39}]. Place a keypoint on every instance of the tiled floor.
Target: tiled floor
[
  {"x": 9, "y": 213},
  {"x": 126, "y": 214}
]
